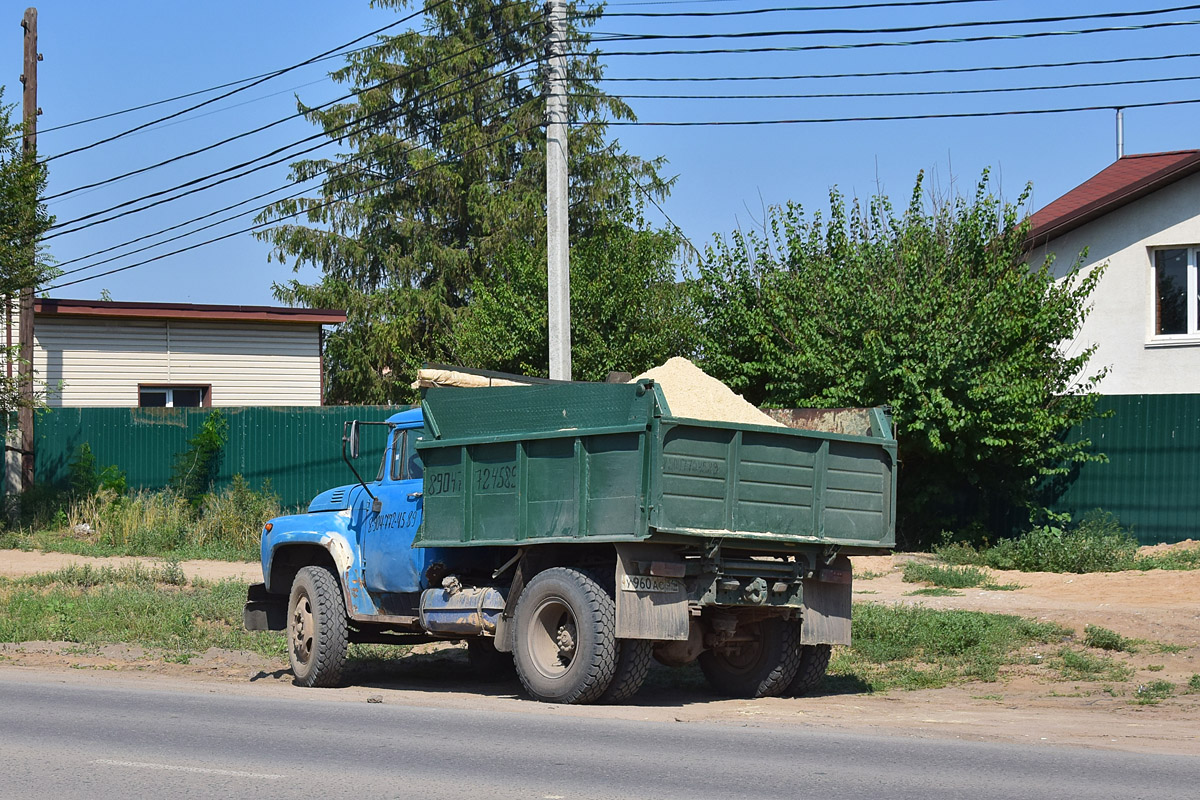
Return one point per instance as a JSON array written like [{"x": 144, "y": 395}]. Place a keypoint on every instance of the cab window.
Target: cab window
[{"x": 406, "y": 462}]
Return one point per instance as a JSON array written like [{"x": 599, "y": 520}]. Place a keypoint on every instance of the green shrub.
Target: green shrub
[
  {"x": 234, "y": 517},
  {"x": 1104, "y": 639},
  {"x": 196, "y": 468},
  {"x": 1097, "y": 544},
  {"x": 85, "y": 479},
  {"x": 1194, "y": 682}
]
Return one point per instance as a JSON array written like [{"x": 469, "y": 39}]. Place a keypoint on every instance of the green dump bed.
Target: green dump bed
[{"x": 607, "y": 463}]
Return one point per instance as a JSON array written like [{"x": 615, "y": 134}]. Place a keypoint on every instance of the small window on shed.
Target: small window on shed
[{"x": 172, "y": 396}]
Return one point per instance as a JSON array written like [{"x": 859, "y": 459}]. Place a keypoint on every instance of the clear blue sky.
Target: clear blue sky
[{"x": 101, "y": 57}]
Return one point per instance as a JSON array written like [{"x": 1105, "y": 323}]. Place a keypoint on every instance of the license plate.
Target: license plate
[{"x": 647, "y": 583}]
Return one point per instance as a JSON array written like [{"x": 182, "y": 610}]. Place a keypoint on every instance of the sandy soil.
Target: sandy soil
[
  {"x": 14, "y": 563},
  {"x": 1030, "y": 704}
]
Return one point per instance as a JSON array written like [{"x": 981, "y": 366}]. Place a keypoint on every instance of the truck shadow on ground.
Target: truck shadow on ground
[{"x": 448, "y": 671}]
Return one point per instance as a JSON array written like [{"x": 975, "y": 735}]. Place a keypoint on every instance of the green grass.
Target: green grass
[
  {"x": 225, "y": 525},
  {"x": 1104, "y": 639},
  {"x": 952, "y": 577},
  {"x": 1194, "y": 682},
  {"x": 916, "y": 648},
  {"x": 152, "y": 608},
  {"x": 1151, "y": 694},
  {"x": 1076, "y": 665},
  {"x": 868, "y": 575},
  {"x": 933, "y": 591}
]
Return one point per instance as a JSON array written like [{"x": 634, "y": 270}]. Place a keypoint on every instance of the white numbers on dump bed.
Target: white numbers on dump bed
[{"x": 646, "y": 583}]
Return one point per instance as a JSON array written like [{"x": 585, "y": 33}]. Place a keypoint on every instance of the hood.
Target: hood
[{"x": 333, "y": 499}]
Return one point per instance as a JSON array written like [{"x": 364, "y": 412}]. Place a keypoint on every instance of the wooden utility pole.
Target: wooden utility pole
[
  {"x": 558, "y": 253},
  {"x": 25, "y": 370}
]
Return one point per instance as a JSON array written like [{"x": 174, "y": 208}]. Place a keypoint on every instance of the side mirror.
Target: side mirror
[{"x": 352, "y": 439}]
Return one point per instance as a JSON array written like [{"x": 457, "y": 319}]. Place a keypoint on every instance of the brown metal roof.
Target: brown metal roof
[
  {"x": 103, "y": 308},
  {"x": 1125, "y": 180}
]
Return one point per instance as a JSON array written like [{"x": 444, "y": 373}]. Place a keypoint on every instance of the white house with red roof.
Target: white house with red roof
[
  {"x": 98, "y": 353},
  {"x": 1141, "y": 216}
]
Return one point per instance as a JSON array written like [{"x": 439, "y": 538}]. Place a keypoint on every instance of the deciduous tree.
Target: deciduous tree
[{"x": 935, "y": 312}]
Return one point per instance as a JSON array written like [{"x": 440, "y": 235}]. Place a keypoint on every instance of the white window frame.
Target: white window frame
[
  {"x": 170, "y": 391},
  {"x": 1192, "y": 296}
]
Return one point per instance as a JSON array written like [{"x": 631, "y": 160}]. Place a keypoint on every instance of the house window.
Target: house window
[
  {"x": 172, "y": 396},
  {"x": 1174, "y": 283}
]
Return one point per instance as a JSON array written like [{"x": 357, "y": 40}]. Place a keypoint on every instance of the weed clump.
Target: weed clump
[{"x": 1104, "y": 639}]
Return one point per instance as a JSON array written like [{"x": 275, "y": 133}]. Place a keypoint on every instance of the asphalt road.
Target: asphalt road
[{"x": 67, "y": 739}]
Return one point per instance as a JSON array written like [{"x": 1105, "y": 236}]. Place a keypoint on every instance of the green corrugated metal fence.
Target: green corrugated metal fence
[
  {"x": 297, "y": 448},
  {"x": 1151, "y": 481},
  {"x": 1152, "y": 478}
]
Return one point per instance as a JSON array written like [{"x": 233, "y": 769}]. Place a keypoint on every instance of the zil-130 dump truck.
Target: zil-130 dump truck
[{"x": 580, "y": 530}]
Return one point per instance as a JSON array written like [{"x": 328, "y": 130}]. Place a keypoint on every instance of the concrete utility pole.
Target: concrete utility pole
[
  {"x": 558, "y": 253},
  {"x": 25, "y": 370}
]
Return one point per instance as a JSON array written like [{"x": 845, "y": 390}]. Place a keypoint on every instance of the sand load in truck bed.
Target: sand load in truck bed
[{"x": 694, "y": 394}]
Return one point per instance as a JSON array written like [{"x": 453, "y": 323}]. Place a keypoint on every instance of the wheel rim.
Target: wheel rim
[
  {"x": 302, "y": 629},
  {"x": 552, "y": 638}
]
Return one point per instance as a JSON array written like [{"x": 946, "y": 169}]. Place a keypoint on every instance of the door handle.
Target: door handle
[{"x": 416, "y": 495}]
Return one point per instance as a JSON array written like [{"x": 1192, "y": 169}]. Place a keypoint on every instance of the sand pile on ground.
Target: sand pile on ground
[{"x": 693, "y": 393}]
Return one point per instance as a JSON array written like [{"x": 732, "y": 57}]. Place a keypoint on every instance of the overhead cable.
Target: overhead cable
[
  {"x": 305, "y": 210},
  {"x": 859, "y": 45},
  {"x": 903, "y": 72},
  {"x": 921, "y": 93},
  {"x": 242, "y": 88},
  {"x": 897, "y": 117},
  {"x": 266, "y": 126},
  {"x": 325, "y": 139},
  {"x": 259, "y": 196},
  {"x": 786, "y": 9}
]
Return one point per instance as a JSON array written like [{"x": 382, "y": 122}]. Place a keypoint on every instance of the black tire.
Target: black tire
[
  {"x": 762, "y": 667},
  {"x": 317, "y": 635},
  {"x": 488, "y": 663},
  {"x": 814, "y": 661},
  {"x": 633, "y": 664},
  {"x": 564, "y": 644}
]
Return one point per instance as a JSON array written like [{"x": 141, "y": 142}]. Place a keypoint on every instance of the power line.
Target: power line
[
  {"x": 859, "y": 45},
  {"x": 307, "y": 209},
  {"x": 252, "y": 84},
  {"x": 260, "y": 196},
  {"x": 646, "y": 37},
  {"x": 923, "y": 93},
  {"x": 787, "y": 9},
  {"x": 264, "y": 127},
  {"x": 943, "y": 71},
  {"x": 325, "y": 136},
  {"x": 184, "y": 96},
  {"x": 318, "y": 135},
  {"x": 898, "y": 117}
]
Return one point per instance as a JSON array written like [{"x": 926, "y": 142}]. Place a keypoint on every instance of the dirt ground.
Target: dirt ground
[{"x": 1029, "y": 704}]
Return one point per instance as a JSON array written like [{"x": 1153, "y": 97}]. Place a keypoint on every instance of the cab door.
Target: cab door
[{"x": 390, "y": 563}]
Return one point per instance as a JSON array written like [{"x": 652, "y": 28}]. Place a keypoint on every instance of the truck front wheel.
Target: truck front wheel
[
  {"x": 316, "y": 628},
  {"x": 760, "y": 662},
  {"x": 565, "y": 644}
]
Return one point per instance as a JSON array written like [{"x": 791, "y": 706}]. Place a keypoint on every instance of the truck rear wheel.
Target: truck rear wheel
[
  {"x": 814, "y": 661},
  {"x": 760, "y": 663},
  {"x": 565, "y": 648},
  {"x": 317, "y": 635},
  {"x": 633, "y": 664}
]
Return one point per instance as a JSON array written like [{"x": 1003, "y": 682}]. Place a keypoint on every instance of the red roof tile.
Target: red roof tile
[{"x": 1122, "y": 182}]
